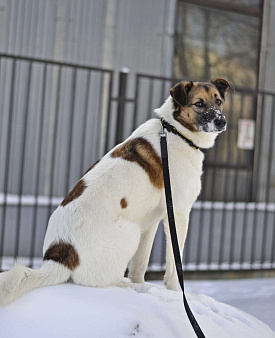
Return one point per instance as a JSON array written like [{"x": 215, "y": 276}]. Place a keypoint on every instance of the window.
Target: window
[
  {"x": 222, "y": 39},
  {"x": 211, "y": 42}
]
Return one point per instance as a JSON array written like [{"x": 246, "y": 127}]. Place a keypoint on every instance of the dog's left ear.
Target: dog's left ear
[
  {"x": 222, "y": 86},
  {"x": 180, "y": 92}
]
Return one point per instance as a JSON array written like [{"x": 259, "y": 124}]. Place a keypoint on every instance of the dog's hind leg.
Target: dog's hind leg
[
  {"x": 20, "y": 279},
  {"x": 105, "y": 256},
  {"x": 139, "y": 262}
]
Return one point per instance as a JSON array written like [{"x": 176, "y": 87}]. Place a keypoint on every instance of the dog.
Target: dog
[{"x": 111, "y": 216}]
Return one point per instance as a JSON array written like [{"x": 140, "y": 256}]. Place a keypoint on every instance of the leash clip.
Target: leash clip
[{"x": 162, "y": 133}]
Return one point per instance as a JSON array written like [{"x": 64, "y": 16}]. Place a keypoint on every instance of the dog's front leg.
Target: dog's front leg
[
  {"x": 139, "y": 262},
  {"x": 170, "y": 277}
]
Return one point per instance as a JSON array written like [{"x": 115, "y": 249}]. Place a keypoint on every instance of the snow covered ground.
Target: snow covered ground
[
  {"x": 255, "y": 296},
  {"x": 142, "y": 310}
]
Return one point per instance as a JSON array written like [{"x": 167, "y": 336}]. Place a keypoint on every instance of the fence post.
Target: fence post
[{"x": 121, "y": 104}]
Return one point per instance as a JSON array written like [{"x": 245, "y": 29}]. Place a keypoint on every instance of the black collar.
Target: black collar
[{"x": 173, "y": 130}]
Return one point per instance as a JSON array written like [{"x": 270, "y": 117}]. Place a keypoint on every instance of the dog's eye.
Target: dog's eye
[
  {"x": 219, "y": 102},
  {"x": 199, "y": 104}
]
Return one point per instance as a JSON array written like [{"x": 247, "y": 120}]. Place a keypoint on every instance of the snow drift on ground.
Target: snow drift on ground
[
  {"x": 255, "y": 296},
  {"x": 142, "y": 310}
]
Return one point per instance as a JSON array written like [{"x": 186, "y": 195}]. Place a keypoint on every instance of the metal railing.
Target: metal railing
[
  {"x": 232, "y": 225},
  {"x": 59, "y": 118},
  {"x": 53, "y": 126}
]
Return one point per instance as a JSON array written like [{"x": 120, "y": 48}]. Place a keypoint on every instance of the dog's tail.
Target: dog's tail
[{"x": 20, "y": 279}]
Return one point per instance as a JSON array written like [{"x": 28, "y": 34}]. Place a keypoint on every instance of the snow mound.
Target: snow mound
[{"x": 142, "y": 310}]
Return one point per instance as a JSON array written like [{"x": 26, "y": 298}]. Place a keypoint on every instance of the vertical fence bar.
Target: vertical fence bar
[
  {"x": 254, "y": 225},
  {"x": 163, "y": 94},
  {"x": 248, "y": 196},
  {"x": 7, "y": 161},
  {"x": 150, "y": 101},
  {"x": 109, "y": 112},
  {"x": 99, "y": 116},
  {"x": 268, "y": 181},
  {"x": 272, "y": 256},
  {"x": 225, "y": 191},
  {"x": 136, "y": 102},
  {"x": 38, "y": 163},
  {"x": 121, "y": 104},
  {"x": 70, "y": 130},
  {"x": 235, "y": 188},
  {"x": 22, "y": 159},
  {"x": 85, "y": 117},
  {"x": 53, "y": 152}
]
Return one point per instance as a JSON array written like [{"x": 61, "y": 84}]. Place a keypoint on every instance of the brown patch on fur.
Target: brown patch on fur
[
  {"x": 180, "y": 92},
  {"x": 186, "y": 118},
  {"x": 123, "y": 203},
  {"x": 92, "y": 167},
  {"x": 75, "y": 193},
  {"x": 222, "y": 85},
  {"x": 142, "y": 152},
  {"x": 63, "y": 253}
]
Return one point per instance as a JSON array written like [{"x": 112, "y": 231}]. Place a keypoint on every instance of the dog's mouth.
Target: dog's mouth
[{"x": 211, "y": 121}]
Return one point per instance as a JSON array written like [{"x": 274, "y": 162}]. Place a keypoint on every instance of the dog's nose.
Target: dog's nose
[{"x": 220, "y": 122}]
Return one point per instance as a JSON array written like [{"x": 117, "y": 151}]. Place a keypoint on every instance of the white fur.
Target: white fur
[{"x": 107, "y": 236}]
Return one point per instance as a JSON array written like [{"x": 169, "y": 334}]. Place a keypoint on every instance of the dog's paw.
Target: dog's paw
[
  {"x": 123, "y": 285},
  {"x": 171, "y": 284}
]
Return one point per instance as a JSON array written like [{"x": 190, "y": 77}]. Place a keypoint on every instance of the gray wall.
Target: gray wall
[
  {"x": 101, "y": 33},
  {"x": 105, "y": 33}
]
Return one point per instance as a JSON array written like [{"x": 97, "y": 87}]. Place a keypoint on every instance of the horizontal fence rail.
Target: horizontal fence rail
[{"x": 57, "y": 119}]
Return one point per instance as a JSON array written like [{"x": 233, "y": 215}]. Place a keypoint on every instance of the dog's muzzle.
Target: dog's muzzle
[{"x": 212, "y": 120}]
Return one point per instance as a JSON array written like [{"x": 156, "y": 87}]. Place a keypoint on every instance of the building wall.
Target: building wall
[
  {"x": 104, "y": 33},
  {"x": 112, "y": 34}
]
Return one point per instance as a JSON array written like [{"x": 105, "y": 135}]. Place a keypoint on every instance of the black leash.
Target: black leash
[{"x": 173, "y": 232}]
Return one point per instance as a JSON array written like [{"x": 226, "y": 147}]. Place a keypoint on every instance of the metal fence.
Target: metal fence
[
  {"x": 59, "y": 118},
  {"x": 53, "y": 126}
]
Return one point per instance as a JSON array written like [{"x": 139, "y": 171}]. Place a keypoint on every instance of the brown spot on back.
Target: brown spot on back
[
  {"x": 75, "y": 193},
  {"x": 92, "y": 167},
  {"x": 123, "y": 203},
  {"x": 63, "y": 253},
  {"x": 141, "y": 151}
]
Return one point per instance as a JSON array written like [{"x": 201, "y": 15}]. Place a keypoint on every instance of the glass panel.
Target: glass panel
[{"x": 216, "y": 43}]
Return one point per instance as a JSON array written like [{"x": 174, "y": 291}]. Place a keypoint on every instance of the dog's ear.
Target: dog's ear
[
  {"x": 180, "y": 92},
  {"x": 222, "y": 86}
]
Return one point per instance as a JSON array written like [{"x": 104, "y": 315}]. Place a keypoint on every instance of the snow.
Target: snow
[
  {"x": 143, "y": 310},
  {"x": 30, "y": 200},
  {"x": 255, "y": 296}
]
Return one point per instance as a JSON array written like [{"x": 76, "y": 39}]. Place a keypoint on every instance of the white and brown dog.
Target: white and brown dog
[{"x": 111, "y": 216}]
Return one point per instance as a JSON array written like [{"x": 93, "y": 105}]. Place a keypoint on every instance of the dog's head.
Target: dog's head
[{"x": 198, "y": 106}]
